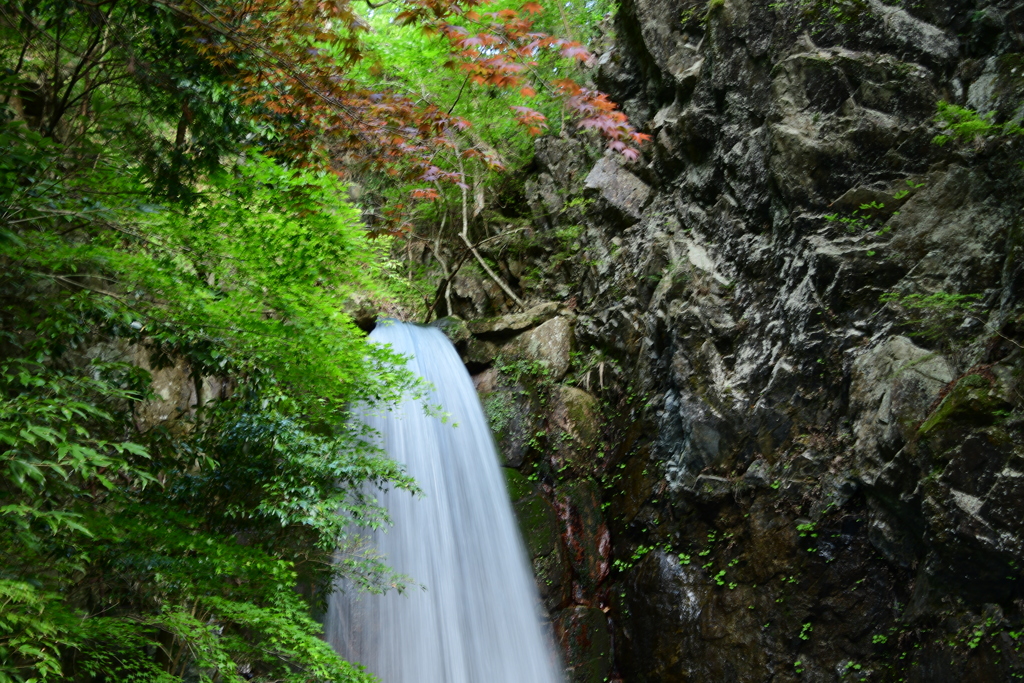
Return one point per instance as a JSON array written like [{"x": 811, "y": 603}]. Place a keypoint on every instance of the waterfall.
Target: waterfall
[{"x": 477, "y": 619}]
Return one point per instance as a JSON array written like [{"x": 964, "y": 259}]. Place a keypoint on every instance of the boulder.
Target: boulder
[
  {"x": 515, "y": 322},
  {"x": 576, "y": 420},
  {"x": 892, "y": 387},
  {"x": 549, "y": 344},
  {"x": 624, "y": 192}
]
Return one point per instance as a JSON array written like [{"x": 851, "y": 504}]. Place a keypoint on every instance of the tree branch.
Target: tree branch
[{"x": 465, "y": 238}]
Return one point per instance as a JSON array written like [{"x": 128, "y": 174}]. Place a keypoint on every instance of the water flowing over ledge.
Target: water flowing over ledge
[{"x": 476, "y": 620}]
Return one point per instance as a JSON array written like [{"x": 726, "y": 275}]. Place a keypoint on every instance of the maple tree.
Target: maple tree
[{"x": 292, "y": 64}]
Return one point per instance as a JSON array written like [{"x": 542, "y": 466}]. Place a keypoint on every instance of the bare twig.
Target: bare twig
[{"x": 473, "y": 249}]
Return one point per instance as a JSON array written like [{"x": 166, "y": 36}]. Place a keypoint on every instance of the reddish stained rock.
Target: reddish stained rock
[
  {"x": 585, "y": 534},
  {"x": 583, "y": 635}
]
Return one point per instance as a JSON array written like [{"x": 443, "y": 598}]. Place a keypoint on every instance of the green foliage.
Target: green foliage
[
  {"x": 638, "y": 554},
  {"x": 408, "y": 59},
  {"x": 518, "y": 369},
  {"x": 690, "y": 14},
  {"x": 499, "y": 407},
  {"x": 966, "y": 125},
  {"x": 934, "y": 315},
  {"x": 72, "y": 81},
  {"x": 866, "y": 218},
  {"x": 137, "y": 549}
]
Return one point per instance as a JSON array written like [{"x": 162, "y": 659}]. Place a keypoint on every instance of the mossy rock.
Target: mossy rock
[
  {"x": 974, "y": 400},
  {"x": 537, "y": 520},
  {"x": 553, "y": 579},
  {"x": 576, "y": 416},
  {"x": 583, "y": 634},
  {"x": 479, "y": 352},
  {"x": 515, "y": 322},
  {"x": 583, "y": 413},
  {"x": 513, "y": 421},
  {"x": 518, "y": 486}
]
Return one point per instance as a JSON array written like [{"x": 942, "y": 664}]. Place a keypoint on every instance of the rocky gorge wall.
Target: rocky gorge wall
[{"x": 763, "y": 420}]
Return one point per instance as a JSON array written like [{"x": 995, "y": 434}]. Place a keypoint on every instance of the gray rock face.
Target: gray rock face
[
  {"x": 624, "y": 192},
  {"x": 913, "y": 35},
  {"x": 176, "y": 394},
  {"x": 892, "y": 389},
  {"x": 666, "y": 39},
  {"x": 802, "y": 479}
]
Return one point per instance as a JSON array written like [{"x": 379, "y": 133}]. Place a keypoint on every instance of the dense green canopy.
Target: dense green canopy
[{"x": 143, "y": 549}]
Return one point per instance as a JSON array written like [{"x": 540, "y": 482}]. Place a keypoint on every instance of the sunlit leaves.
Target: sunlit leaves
[
  {"x": 142, "y": 550},
  {"x": 531, "y": 119},
  {"x": 292, "y": 65}
]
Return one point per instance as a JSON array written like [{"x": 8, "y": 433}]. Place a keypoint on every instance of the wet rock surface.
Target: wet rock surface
[{"x": 799, "y": 324}]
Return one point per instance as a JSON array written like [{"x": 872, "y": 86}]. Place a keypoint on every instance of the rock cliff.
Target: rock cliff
[{"x": 772, "y": 430}]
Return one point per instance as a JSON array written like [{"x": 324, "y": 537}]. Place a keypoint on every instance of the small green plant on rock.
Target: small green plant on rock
[
  {"x": 638, "y": 554},
  {"x": 499, "y": 408},
  {"x": 568, "y": 240},
  {"x": 690, "y": 14},
  {"x": 516, "y": 369},
  {"x": 966, "y": 125},
  {"x": 862, "y": 220},
  {"x": 936, "y": 315},
  {"x": 850, "y": 666},
  {"x": 806, "y": 530}
]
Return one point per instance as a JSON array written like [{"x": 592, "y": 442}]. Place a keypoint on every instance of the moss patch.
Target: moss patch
[{"x": 973, "y": 399}]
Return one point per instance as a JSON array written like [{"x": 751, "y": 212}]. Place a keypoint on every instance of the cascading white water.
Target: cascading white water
[{"x": 477, "y": 620}]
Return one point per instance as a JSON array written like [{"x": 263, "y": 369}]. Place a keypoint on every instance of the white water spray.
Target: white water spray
[{"x": 477, "y": 620}]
